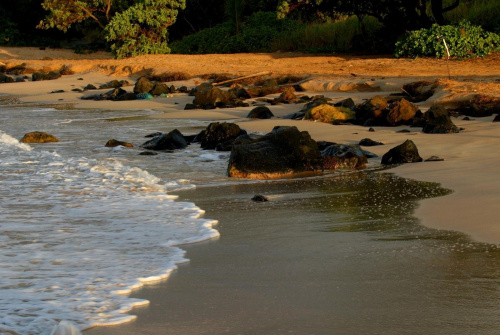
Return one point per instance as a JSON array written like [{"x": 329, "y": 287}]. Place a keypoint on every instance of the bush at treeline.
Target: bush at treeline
[{"x": 133, "y": 27}]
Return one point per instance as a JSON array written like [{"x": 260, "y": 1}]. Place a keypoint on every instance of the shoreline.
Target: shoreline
[{"x": 469, "y": 165}]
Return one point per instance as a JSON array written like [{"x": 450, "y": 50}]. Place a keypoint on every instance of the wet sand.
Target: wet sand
[{"x": 322, "y": 257}]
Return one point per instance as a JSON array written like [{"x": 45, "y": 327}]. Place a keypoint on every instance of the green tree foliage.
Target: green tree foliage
[
  {"x": 64, "y": 13},
  {"x": 142, "y": 28},
  {"x": 463, "y": 41}
]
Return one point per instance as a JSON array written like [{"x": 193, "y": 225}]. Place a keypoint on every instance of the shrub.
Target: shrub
[{"x": 464, "y": 40}]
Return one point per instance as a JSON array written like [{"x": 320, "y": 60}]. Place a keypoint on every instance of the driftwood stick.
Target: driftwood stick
[{"x": 241, "y": 78}]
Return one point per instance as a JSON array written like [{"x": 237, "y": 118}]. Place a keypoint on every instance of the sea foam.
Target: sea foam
[{"x": 78, "y": 234}]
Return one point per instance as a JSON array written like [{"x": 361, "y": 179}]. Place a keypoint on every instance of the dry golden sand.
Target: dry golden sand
[{"x": 471, "y": 161}]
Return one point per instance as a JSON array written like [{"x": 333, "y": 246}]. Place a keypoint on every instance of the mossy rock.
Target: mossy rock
[{"x": 329, "y": 114}]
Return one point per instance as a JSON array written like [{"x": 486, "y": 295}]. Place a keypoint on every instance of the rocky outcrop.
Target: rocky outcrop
[
  {"x": 282, "y": 152},
  {"x": 342, "y": 156},
  {"x": 115, "y": 84},
  {"x": 6, "y": 79},
  {"x": 219, "y": 136},
  {"x": 406, "y": 152},
  {"x": 437, "y": 121},
  {"x": 38, "y": 137},
  {"x": 171, "y": 141},
  {"x": 117, "y": 94},
  {"x": 261, "y": 112},
  {"x": 114, "y": 143},
  {"x": 38, "y": 76},
  {"x": 479, "y": 106}
]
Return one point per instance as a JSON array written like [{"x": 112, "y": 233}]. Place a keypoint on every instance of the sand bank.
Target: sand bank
[{"x": 470, "y": 167}]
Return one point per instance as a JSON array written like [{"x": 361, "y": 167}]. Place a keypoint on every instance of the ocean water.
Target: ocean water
[{"x": 81, "y": 225}]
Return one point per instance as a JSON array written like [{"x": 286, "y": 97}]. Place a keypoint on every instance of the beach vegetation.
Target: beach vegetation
[
  {"x": 459, "y": 41},
  {"x": 257, "y": 33}
]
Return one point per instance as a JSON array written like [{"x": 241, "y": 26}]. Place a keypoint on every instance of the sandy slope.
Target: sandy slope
[{"x": 471, "y": 163}]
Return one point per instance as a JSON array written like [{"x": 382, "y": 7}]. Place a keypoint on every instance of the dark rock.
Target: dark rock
[
  {"x": 438, "y": 121},
  {"x": 373, "y": 110},
  {"x": 371, "y": 130},
  {"x": 434, "y": 159},
  {"x": 404, "y": 131},
  {"x": 39, "y": 76},
  {"x": 159, "y": 89},
  {"x": 466, "y": 118},
  {"x": 295, "y": 116},
  {"x": 239, "y": 91},
  {"x": 206, "y": 94},
  {"x": 369, "y": 142},
  {"x": 115, "y": 84},
  {"x": 57, "y": 91},
  {"x": 342, "y": 156},
  {"x": 190, "y": 107},
  {"x": 38, "y": 137},
  {"x": 143, "y": 85},
  {"x": 420, "y": 90},
  {"x": 171, "y": 141},
  {"x": 479, "y": 106},
  {"x": 114, "y": 94},
  {"x": 189, "y": 138},
  {"x": 287, "y": 96},
  {"x": 154, "y": 134},
  {"x": 261, "y": 112},
  {"x": 114, "y": 143},
  {"x": 497, "y": 118},
  {"x": 282, "y": 152},
  {"x": 6, "y": 79},
  {"x": 322, "y": 145},
  {"x": 403, "y": 153},
  {"x": 77, "y": 90},
  {"x": 369, "y": 154},
  {"x": 217, "y": 133},
  {"x": 148, "y": 153},
  {"x": 183, "y": 89},
  {"x": 401, "y": 112},
  {"x": 125, "y": 96},
  {"x": 259, "y": 198},
  {"x": 89, "y": 87},
  {"x": 347, "y": 103}
]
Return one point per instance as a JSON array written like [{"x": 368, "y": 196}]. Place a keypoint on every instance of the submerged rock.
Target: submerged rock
[
  {"x": 342, "y": 156},
  {"x": 38, "y": 137},
  {"x": 114, "y": 143},
  {"x": 171, "y": 141},
  {"x": 403, "y": 153}
]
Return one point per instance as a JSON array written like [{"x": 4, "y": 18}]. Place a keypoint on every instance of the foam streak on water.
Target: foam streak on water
[{"x": 77, "y": 234}]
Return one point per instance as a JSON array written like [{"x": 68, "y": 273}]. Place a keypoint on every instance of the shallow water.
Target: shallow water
[{"x": 82, "y": 224}]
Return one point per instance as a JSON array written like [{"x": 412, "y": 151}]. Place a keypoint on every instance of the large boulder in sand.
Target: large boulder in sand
[
  {"x": 219, "y": 136},
  {"x": 38, "y": 137},
  {"x": 282, "y": 152},
  {"x": 207, "y": 94},
  {"x": 342, "y": 156},
  {"x": 401, "y": 112},
  {"x": 406, "y": 152},
  {"x": 329, "y": 114},
  {"x": 143, "y": 85},
  {"x": 437, "y": 121},
  {"x": 372, "y": 112},
  {"x": 171, "y": 141},
  {"x": 39, "y": 76},
  {"x": 260, "y": 112}
]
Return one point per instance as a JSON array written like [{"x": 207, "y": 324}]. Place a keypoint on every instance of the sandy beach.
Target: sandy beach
[
  {"x": 469, "y": 167},
  {"x": 469, "y": 170}
]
